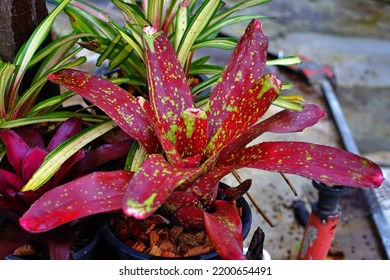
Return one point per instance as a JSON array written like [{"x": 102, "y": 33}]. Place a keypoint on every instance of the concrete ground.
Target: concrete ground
[{"x": 353, "y": 37}]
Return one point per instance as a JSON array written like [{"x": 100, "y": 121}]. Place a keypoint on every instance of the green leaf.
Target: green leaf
[
  {"x": 131, "y": 41},
  {"x": 218, "y": 43},
  {"x": 181, "y": 24},
  {"x": 216, "y": 27},
  {"x": 59, "y": 155},
  {"x": 25, "y": 54},
  {"x": 53, "y": 46},
  {"x": 27, "y": 100},
  {"x": 6, "y": 71},
  {"x": 198, "y": 22},
  {"x": 51, "y": 117},
  {"x": 285, "y": 61},
  {"x": 236, "y": 8}
]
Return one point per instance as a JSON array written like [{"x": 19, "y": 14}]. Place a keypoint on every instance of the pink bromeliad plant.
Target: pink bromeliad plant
[{"x": 191, "y": 149}]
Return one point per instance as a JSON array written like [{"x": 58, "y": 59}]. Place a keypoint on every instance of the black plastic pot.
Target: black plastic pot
[
  {"x": 89, "y": 252},
  {"x": 124, "y": 252}
]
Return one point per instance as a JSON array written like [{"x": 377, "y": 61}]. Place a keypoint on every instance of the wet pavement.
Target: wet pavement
[{"x": 353, "y": 37}]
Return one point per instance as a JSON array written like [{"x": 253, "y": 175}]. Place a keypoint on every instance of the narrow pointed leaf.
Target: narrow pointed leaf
[
  {"x": 30, "y": 47},
  {"x": 224, "y": 229},
  {"x": 244, "y": 68},
  {"x": 169, "y": 92},
  {"x": 117, "y": 103},
  {"x": 318, "y": 162},
  {"x": 198, "y": 23},
  {"x": 16, "y": 149},
  {"x": 152, "y": 184},
  {"x": 94, "y": 193},
  {"x": 6, "y": 71},
  {"x": 238, "y": 191},
  {"x": 216, "y": 26},
  {"x": 245, "y": 112},
  {"x": 238, "y": 7},
  {"x": 285, "y": 121}
]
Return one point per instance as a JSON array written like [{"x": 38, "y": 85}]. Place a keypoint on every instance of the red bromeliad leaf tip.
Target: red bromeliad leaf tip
[
  {"x": 94, "y": 193},
  {"x": 224, "y": 228}
]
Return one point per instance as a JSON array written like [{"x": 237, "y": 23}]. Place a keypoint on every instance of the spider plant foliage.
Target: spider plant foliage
[
  {"x": 18, "y": 104},
  {"x": 189, "y": 24},
  {"x": 190, "y": 149}
]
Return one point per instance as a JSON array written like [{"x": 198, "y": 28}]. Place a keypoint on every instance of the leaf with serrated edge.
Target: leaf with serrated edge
[
  {"x": 94, "y": 193},
  {"x": 224, "y": 229}
]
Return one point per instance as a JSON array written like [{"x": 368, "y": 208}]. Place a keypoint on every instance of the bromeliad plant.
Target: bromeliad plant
[
  {"x": 26, "y": 127},
  {"x": 26, "y": 150},
  {"x": 190, "y": 149},
  {"x": 190, "y": 25}
]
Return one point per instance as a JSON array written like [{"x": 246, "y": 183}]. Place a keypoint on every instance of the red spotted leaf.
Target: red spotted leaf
[
  {"x": 118, "y": 104},
  {"x": 245, "y": 112},
  {"x": 191, "y": 136},
  {"x": 224, "y": 229},
  {"x": 169, "y": 92},
  {"x": 244, "y": 68},
  {"x": 285, "y": 121},
  {"x": 169, "y": 148},
  {"x": 94, "y": 193},
  {"x": 318, "y": 162},
  {"x": 152, "y": 184},
  {"x": 180, "y": 199},
  {"x": 205, "y": 188},
  {"x": 189, "y": 217}
]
